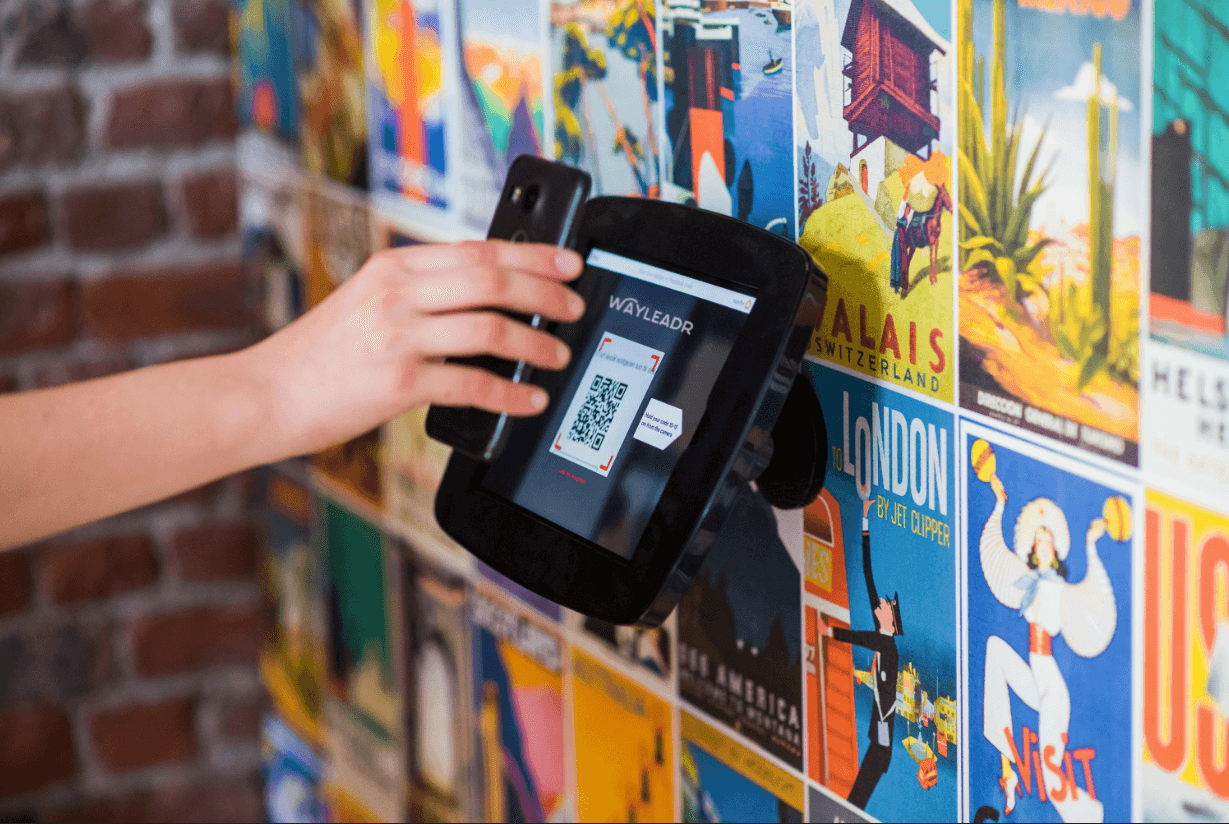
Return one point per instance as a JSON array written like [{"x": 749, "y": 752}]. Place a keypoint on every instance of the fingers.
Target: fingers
[
  {"x": 486, "y": 333},
  {"x": 533, "y": 258},
  {"x": 452, "y": 385},
  {"x": 477, "y": 286}
]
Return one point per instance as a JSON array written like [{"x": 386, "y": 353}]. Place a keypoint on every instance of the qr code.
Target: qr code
[{"x": 595, "y": 414}]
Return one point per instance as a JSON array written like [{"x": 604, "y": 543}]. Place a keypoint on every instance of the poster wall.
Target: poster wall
[{"x": 1009, "y": 600}]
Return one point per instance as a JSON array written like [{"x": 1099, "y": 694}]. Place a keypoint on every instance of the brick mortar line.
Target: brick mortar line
[
  {"x": 162, "y": 597},
  {"x": 165, "y": 254},
  {"x": 120, "y": 165},
  {"x": 209, "y": 685}
]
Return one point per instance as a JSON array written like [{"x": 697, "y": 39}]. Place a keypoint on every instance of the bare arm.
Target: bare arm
[{"x": 374, "y": 348}]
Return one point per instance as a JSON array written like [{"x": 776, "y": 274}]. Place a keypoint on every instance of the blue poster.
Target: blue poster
[
  {"x": 266, "y": 89},
  {"x": 880, "y": 604},
  {"x": 728, "y": 94},
  {"x": 1049, "y": 651}
]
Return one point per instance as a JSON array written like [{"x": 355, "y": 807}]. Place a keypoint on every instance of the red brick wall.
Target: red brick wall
[{"x": 128, "y": 685}]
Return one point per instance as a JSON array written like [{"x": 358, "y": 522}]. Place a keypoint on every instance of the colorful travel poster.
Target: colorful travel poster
[
  {"x": 1047, "y": 543},
  {"x": 874, "y": 140},
  {"x": 411, "y": 57},
  {"x": 722, "y": 780},
  {"x": 501, "y": 96},
  {"x": 339, "y": 244},
  {"x": 604, "y": 93},
  {"x": 740, "y": 644},
  {"x": 331, "y": 87},
  {"x": 727, "y": 91},
  {"x": 518, "y": 704},
  {"x": 880, "y": 604},
  {"x": 273, "y": 218},
  {"x": 1186, "y": 422},
  {"x": 339, "y": 236},
  {"x": 293, "y": 660},
  {"x": 292, "y": 775},
  {"x": 364, "y": 717},
  {"x": 1052, "y": 212},
  {"x": 1185, "y": 662},
  {"x": 1189, "y": 303},
  {"x": 439, "y": 663},
  {"x": 823, "y": 807},
  {"x": 624, "y": 740},
  {"x": 263, "y": 38},
  {"x": 650, "y": 650}
]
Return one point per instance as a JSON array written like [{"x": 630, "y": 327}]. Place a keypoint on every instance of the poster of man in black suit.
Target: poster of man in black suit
[{"x": 884, "y": 672}]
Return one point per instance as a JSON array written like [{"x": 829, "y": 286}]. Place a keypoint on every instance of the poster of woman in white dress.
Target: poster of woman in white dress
[{"x": 1048, "y": 565}]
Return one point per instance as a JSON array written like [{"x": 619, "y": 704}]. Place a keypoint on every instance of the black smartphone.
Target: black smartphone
[{"x": 541, "y": 203}]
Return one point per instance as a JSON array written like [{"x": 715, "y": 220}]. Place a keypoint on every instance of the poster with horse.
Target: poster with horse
[{"x": 873, "y": 138}]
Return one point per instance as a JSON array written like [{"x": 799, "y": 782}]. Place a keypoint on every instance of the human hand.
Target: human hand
[
  {"x": 999, "y": 491},
  {"x": 376, "y": 346},
  {"x": 821, "y": 626},
  {"x": 1096, "y": 529}
]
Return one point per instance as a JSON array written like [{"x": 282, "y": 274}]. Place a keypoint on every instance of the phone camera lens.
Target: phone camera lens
[{"x": 530, "y": 198}]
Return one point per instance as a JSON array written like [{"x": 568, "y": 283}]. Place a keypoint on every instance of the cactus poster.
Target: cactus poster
[
  {"x": 331, "y": 82},
  {"x": 519, "y": 712},
  {"x": 1052, "y": 213},
  {"x": 624, "y": 741},
  {"x": 500, "y": 94},
  {"x": 874, "y": 136},
  {"x": 1188, "y": 304},
  {"x": 411, "y": 91},
  {"x": 880, "y": 605},
  {"x": 727, "y": 92},
  {"x": 1185, "y": 662},
  {"x": 723, "y": 780},
  {"x": 292, "y": 662},
  {"x": 1049, "y": 566},
  {"x": 604, "y": 93}
]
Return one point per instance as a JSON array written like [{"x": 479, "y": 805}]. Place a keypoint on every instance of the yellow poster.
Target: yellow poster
[
  {"x": 624, "y": 747},
  {"x": 1186, "y": 662}
]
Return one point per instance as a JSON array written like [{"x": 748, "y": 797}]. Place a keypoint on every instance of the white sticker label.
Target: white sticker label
[
  {"x": 660, "y": 425},
  {"x": 604, "y": 408}
]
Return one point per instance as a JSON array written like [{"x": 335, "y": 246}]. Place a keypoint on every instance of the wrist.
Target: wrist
[{"x": 259, "y": 406}]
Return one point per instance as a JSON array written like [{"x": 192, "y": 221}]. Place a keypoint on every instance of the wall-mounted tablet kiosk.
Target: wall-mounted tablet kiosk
[{"x": 608, "y": 502}]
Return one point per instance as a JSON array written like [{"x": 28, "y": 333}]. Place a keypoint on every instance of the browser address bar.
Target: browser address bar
[{"x": 671, "y": 280}]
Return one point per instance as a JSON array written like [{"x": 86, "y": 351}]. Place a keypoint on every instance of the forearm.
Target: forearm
[
  {"x": 374, "y": 348},
  {"x": 76, "y": 453}
]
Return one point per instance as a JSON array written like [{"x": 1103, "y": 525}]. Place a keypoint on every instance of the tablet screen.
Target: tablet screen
[{"x": 643, "y": 368}]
